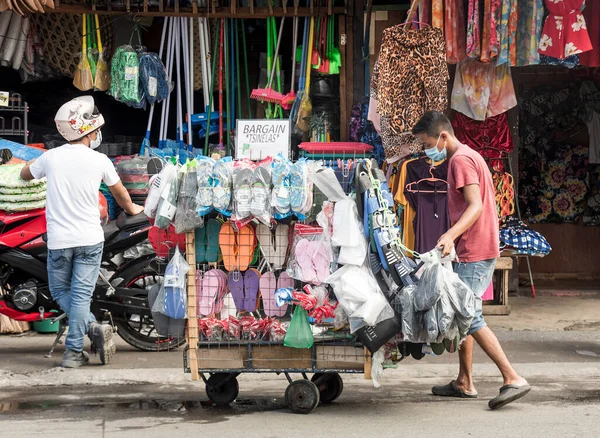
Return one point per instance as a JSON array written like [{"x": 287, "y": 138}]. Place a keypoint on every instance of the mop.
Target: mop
[
  {"x": 146, "y": 141},
  {"x": 268, "y": 94}
]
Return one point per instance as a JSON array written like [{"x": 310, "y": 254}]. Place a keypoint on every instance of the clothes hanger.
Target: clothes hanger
[{"x": 433, "y": 179}]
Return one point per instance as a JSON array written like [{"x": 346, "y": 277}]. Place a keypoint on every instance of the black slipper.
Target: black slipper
[
  {"x": 509, "y": 394},
  {"x": 450, "y": 390}
]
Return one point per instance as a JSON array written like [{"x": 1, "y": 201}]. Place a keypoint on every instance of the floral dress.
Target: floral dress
[
  {"x": 565, "y": 31},
  {"x": 529, "y": 31}
]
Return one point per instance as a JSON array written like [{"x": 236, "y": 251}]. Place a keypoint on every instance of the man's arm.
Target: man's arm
[
  {"x": 474, "y": 208},
  {"x": 26, "y": 174},
  {"x": 124, "y": 200}
]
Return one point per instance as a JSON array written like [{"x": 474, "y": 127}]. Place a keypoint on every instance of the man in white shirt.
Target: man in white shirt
[{"x": 75, "y": 237}]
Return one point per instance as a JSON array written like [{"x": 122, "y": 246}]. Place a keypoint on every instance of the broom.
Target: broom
[
  {"x": 90, "y": 42},
  {"x": 305, "y": 110},
  {"x": 288, "y": 99},
  {"x": 83, "y": 79},
  {"x": 268, "y": 94},
  {"x": 102, "y": 79}
]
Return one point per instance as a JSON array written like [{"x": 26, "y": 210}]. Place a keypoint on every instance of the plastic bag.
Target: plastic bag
[
  {"x": 299, "y": 333},
  {"x": 412, "y": 321},
  {"x": 280, "y": 198},
  {"x": 186, "y": 219},
  {"x": 157, "y": 184},
  {"x": 301, "y": 197},
  {"x": 172, "y": 298},
  {"x": 222, "y": 185},
  {"x": 310, "y": 256},
  {"x": 359, "y": 295},
  {"x": 243, "y": 174},
  {"x": 348, "y": 233},
  {"x": 167, "y": 205},
  {"x": 260, "y": 206},
  {"x": 204, "y": 195}
]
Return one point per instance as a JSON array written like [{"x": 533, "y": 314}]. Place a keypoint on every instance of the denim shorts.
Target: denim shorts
[{"x": 478, "y": 276}]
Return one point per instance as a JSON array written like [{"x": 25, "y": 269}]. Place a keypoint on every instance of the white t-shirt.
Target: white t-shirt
[{"x": 74, "y": 174}]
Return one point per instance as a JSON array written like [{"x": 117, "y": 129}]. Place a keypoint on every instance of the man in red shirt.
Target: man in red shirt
[{"x": 474, "y": 233}]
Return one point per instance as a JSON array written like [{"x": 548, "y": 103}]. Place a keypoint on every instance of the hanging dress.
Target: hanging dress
[{"x": 565, "y": 31}]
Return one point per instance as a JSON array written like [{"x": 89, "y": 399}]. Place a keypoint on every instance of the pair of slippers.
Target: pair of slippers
[
  {"x": 313, "y": 258},
  {"x": 508, "y": 394},
  {"x": 207, "y": 242},
  {"x": 244, "y": 289},
  {"x": 211, "y": 289},
  {"x": 274, "y": 244},
  {"x": 237, "y": 247},
  {"x": 269, "y": 284},
  {"x": 252, "y": 190}
]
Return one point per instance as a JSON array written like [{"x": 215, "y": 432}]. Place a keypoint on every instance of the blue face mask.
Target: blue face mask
[{"x": 434, "y": 154}]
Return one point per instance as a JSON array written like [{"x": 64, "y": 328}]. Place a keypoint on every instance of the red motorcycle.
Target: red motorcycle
[{"x": 121, "y": 299}]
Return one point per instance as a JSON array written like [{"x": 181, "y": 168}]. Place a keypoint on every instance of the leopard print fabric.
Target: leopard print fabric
[{"x": 409, "y": 78}]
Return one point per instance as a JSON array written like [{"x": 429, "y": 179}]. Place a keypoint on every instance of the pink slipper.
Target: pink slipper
[
  {"x": 268, "y": 286},
  {"x": 304, "y": 254}
]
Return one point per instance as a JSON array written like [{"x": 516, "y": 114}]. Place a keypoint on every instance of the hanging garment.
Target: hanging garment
[
  {"x": 507, "y": 32},
  {"x": 437, "y": 14},
  {"x": 409, "y": 78},
  {"x": 456, "y": 50},
  {"x": 593, "y": 124},
  {"x": 408, "y": 231},
  {"x": 432, "y": 218},
  {"x": 591, "y": 13},
  {"x": 490, "y": 46},
  {"x": 529, "y": 31},
  {"x": 482, "y": 90},
  {"x": 565, "y": 32},
  {"x": 569, "y": 62},
  {"x": 491, "y": 138},
  {"x": 517, "y": 236},
  {"x": 473, "y": 31},
  {"x": 425, "y": 11}
]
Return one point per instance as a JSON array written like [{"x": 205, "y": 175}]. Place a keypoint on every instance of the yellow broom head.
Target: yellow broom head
[
  {"x": 102, "y": 79},
  {"x": 83, "y": 79}
]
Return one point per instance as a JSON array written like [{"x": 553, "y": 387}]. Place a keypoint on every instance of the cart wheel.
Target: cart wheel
[
  {"x": 222, "y": 389},
  {"x": 330, "y": 387},
  {"x": 302, "y": 396}
]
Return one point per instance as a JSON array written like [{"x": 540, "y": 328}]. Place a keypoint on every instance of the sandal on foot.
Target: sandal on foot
[
  {"x": 451, "y": 390},
  {"x": 509, "y": 394}
]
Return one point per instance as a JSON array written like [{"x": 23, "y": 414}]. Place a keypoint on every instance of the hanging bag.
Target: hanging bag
[{"x": 299, "y": 333}]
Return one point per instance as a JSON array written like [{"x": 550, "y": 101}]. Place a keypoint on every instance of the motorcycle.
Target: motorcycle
[{"x": 121, "y": 299}]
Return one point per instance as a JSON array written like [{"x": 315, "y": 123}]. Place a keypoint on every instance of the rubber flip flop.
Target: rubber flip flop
[
  {"x": 261, "y": 194},
  {"x": 268, "y": 286},
  {"x": 223, "y": 289},
  {"x": 199, "y": 278},
  {"x": 236, "y": 287},
  {"x": 304, "y": 254},
  {"x": 509, "y": 394},
  {"x": 283, "y": 282},
  {"x": 251, "y": 288},
  {"x": 265, "y": 238},
  {"x": 282, "y": 243},
  {"x": 200, "y": 245},
  {"x": 451, "y": 344},
  {"x": 246, "y": 244},
  {"x": 213, "y": 227},
  {"x": 210, "y": 291},
  {"x": 438, "y": 349},
  {"x": 450, "y": 390},
  {"x": 228, "y": 246}
]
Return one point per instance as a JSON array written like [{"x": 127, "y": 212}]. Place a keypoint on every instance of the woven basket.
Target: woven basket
[{"x": 60, "y": 36}]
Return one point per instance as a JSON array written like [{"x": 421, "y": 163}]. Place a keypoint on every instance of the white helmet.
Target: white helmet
[{"x": 78, "y": 118}]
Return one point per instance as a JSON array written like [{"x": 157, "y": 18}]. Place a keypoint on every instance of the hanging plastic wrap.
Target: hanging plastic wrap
[
  {"x": 243, "y": 174},
  {"x": 359, "y": 295},
  {"x": 172, "y": 298},
  {"x": 301, "y": 196},
  {"x": 153, "y": 78},
  {"x": 157, "y": 184},
  {"x": 348, "y": 234},
  {"x": 204, "y": 196},
  {"x": 167, "y": 205},
  {"x": 222, "y": 185},
  {"x": 186, "y": 219},
  {"x": 260, "y": 206},
  {"x": 281, "y": 195},
  {"x": 310, "y": 256},
  {"x": 125, "y": 72}
]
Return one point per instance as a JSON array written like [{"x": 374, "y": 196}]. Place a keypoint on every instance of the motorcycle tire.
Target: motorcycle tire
[{"x": 126, "y": 325}]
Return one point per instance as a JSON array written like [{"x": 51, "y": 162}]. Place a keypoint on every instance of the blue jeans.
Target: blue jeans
[
  {"x": 72, "y": 277},
  {"x": 478, "y": 276}
]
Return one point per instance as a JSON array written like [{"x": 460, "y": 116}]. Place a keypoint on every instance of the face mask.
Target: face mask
[
  {"x": 434, "y": 154},
  {"x": 95, "y": 144}
]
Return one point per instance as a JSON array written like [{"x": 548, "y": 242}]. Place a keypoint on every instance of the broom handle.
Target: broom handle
[
  {"x": 212, "y": 88},
  {"x": 160, "y": 54},
  {"x": 169, "y": 66},
  {"x": 294, "y": 53},
  {"x": 311, "y": 39},
  {"x": 171, "y": 63},
  {"x": 98, "y": 33},
  {"x": 246, "y": 68},
  {"x": 178, "y": 65},
  {"x": 276, "y": 52}
]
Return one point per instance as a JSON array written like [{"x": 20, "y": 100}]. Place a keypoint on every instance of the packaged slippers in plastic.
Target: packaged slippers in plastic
[{"x": 204, "y": 197}]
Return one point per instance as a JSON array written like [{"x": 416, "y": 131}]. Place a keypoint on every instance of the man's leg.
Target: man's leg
[
  {"x": 86, "y": 267},
  {"x": 489, "y": 343},
  {"x": 59, "y": 277}
]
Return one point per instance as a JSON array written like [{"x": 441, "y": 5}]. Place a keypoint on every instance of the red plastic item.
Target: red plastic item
[{"x": 348, "y": 147}]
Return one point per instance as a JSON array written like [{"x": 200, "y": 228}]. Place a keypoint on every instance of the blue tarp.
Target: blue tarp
[{"x": 20, "y": 151}]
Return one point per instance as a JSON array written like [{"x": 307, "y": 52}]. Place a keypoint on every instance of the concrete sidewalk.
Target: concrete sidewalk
[{"x": 540, "y": 336}]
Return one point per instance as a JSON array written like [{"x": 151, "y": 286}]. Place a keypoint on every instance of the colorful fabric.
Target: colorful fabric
[
  {"x": 524, "y": 240},
  {"x": 482, "y": 90},
  {"x": 489, "y": 43},
  {"x": 10, "y": 177},
  {"x": 591, "y": 13},
  {"x": 411, "y": 69},
  {"x": 473, "y": 32},
  {"x": 507, "y": 32},
  {"x": 491, "y": 138},
  {"x": 591, "y": 214},
  {"x": 529, "y": 31},
  {"x": 437, "y": 14},
  {"x": 22, "y": 206},
  {"x": 22, "y": 190},
  {"x": 565, "y": 31},
  {"x": 456, "y": 49},
  {"x": 568, "y": 62}
]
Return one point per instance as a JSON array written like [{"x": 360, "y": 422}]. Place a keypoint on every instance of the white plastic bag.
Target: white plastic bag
[
  {"x": 157, "y": 184},
  {"x": 359, "y": 295},
  {"x": 172, "y": 298},
  {"x": 348, "y": 233},
  {"x": 167, "y": 205}
]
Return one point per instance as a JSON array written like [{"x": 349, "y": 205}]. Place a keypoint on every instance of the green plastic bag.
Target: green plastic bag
[{"x": 299, "y": 334}]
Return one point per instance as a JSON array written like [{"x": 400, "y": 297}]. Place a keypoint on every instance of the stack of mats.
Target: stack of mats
[{"x": 18, "y": 195}]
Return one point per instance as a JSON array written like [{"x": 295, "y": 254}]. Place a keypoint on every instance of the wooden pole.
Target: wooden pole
[
  {"x": 368, "y": 364},
  {"x": 193, "y": 334}
]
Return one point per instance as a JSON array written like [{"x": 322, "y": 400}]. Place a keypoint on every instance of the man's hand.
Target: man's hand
[
  {"x": 135, "y": 210},
  {"x": 445, "y": 244},
  {"x": 26, "y": 172}
]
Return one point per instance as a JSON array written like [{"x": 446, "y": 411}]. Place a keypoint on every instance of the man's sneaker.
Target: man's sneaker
[
  {"x": 101, "y": 336},
  {"x": 74, "y": 359}
]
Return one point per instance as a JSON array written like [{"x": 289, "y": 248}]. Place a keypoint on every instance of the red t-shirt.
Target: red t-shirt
[{"x": 481, "y": 241}]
